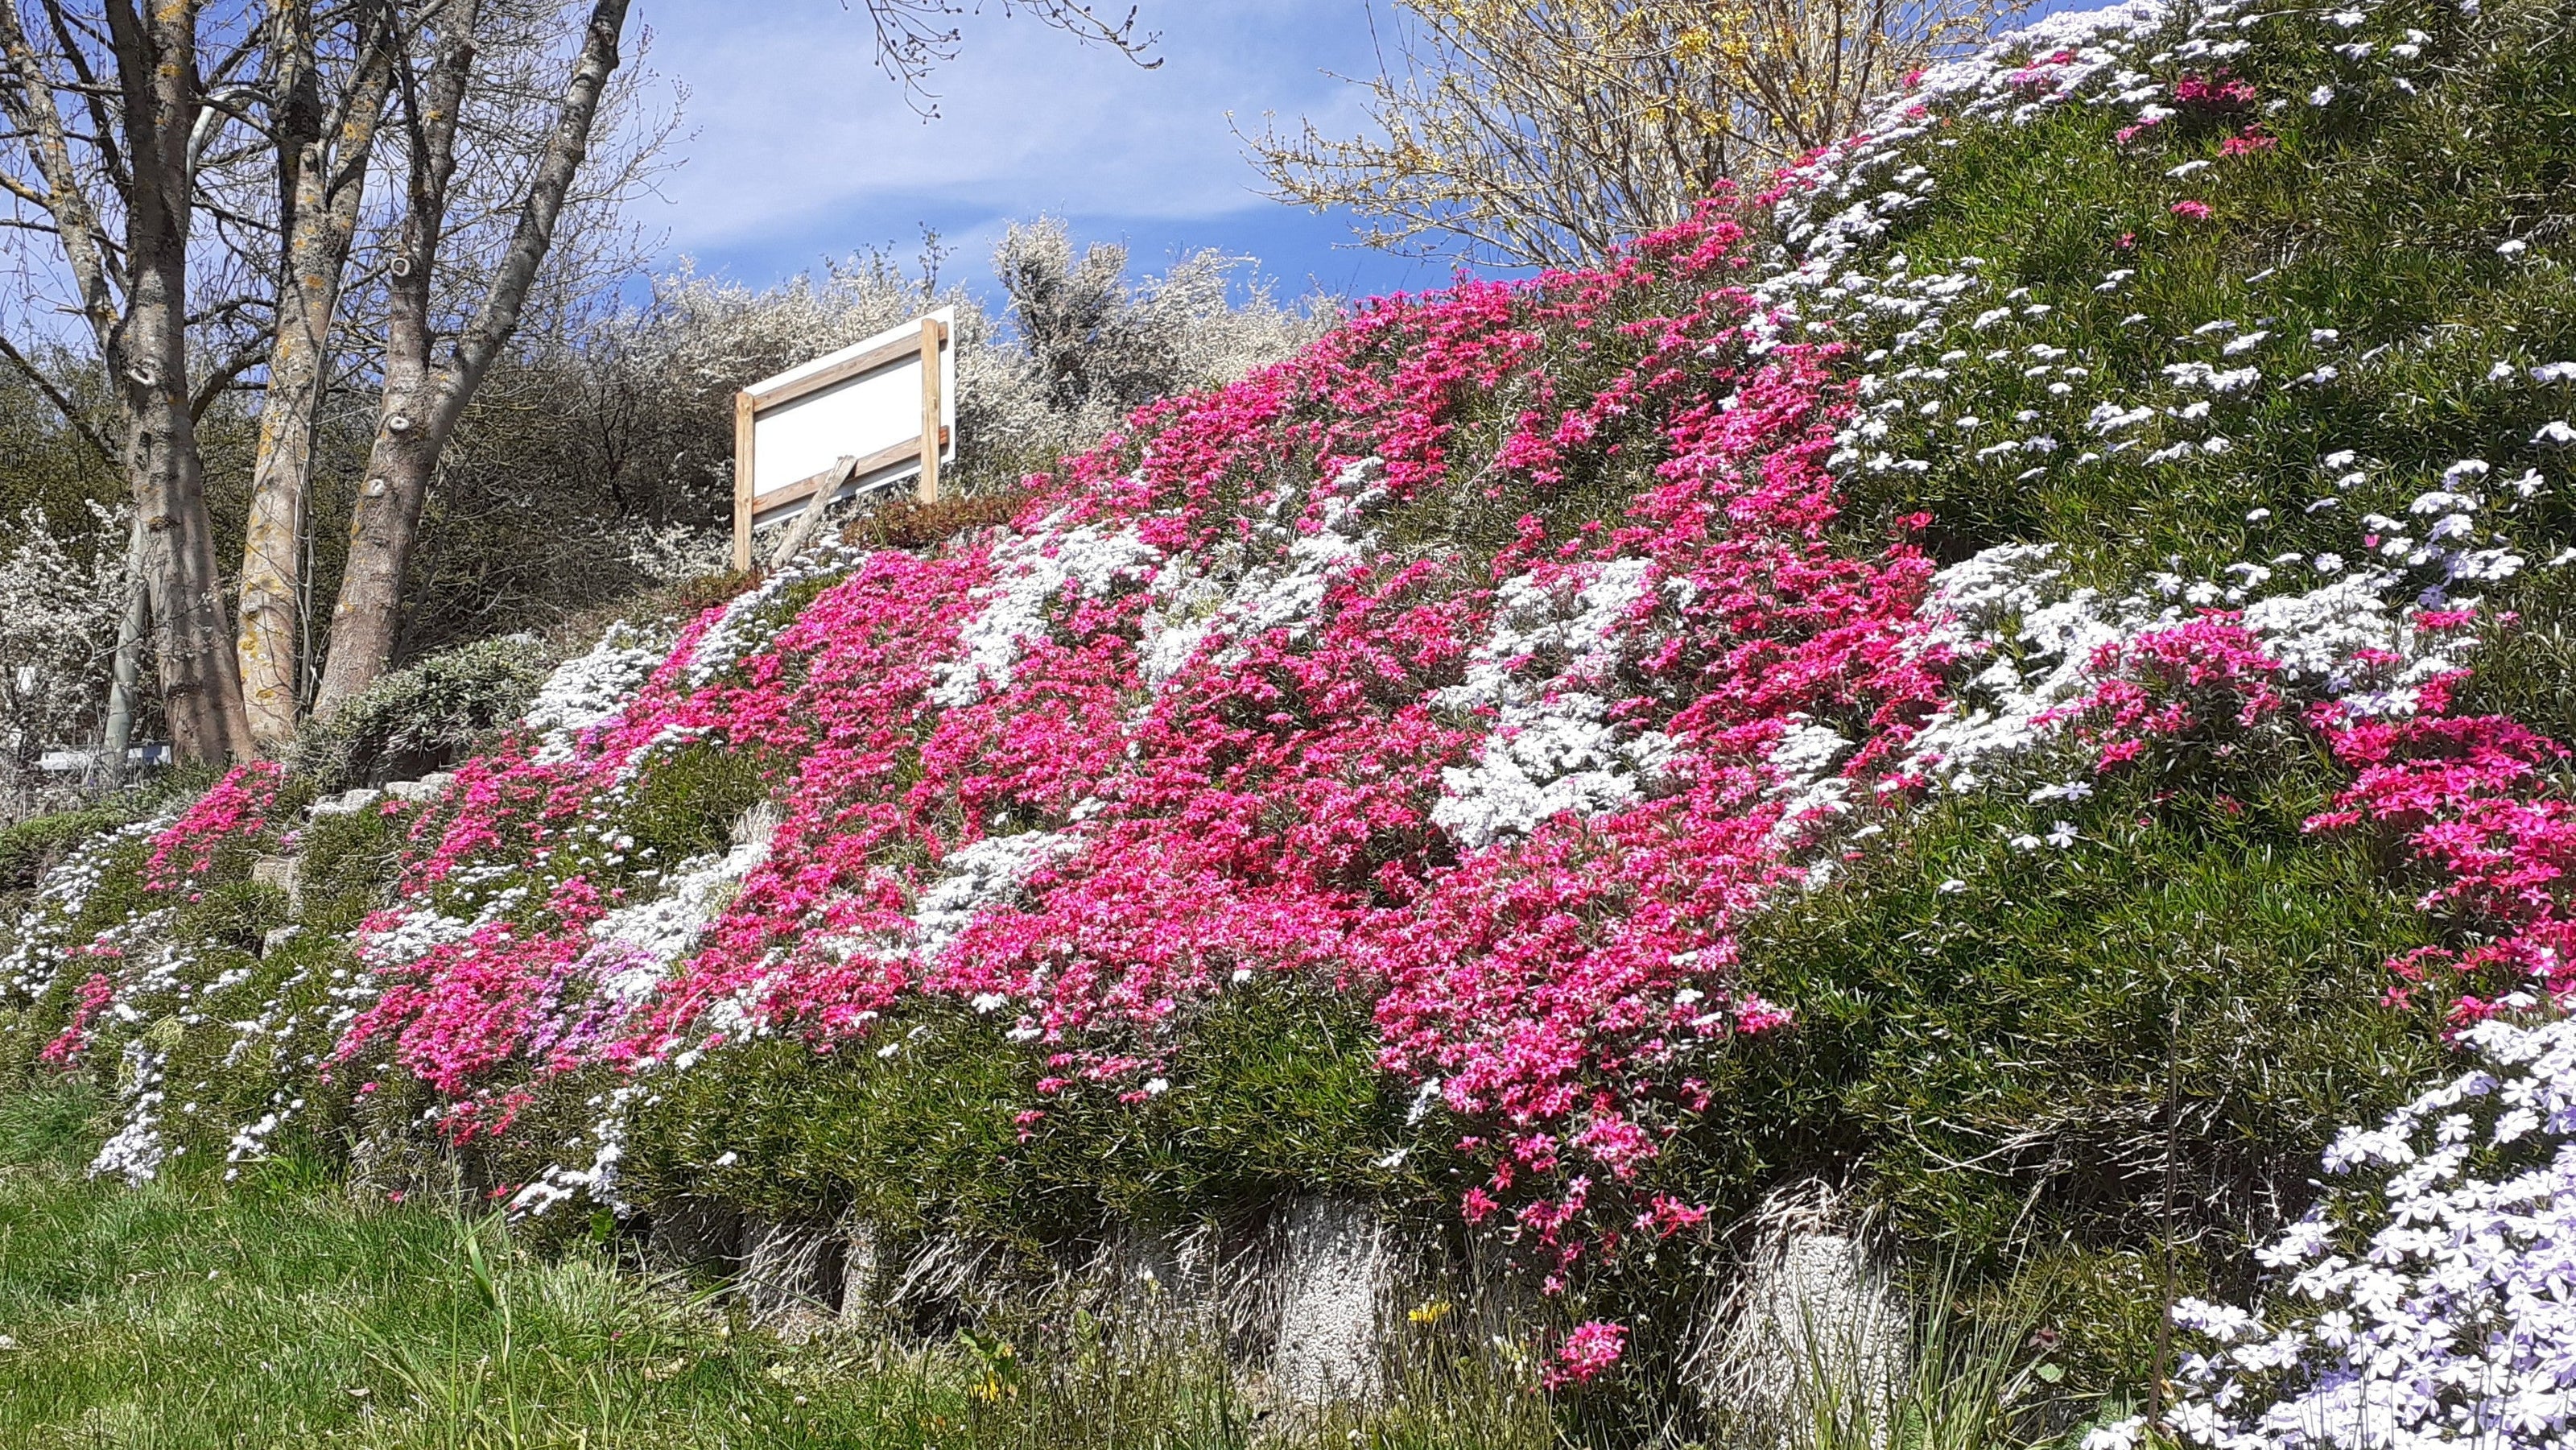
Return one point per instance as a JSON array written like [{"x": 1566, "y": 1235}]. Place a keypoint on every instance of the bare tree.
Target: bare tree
[
  {"x": 1540, "y": 132},
  {"x": 422, "y": 397},
  {"x": 324, "y": 148},
  {"x": 425, "y": 397},
  {"x": 104, "y": 130},
  {"x": 914, "y": 37}
]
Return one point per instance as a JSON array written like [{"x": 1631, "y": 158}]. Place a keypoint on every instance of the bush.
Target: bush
[
  {"x": 421, "y": 717},
  {"x": 1271, "y": 1096}
]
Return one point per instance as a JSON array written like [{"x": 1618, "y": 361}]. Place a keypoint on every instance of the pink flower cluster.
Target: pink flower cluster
[
  {"x": 1266, "y": 796},
  {"x": 2220, "y": 92},
  {"x": 1592, "y": 1347},
  {"x": 96, "y": 995},
  {"x": 2249, "y": 141},
  {"x": 2472, "y": 798},
  {"x": 236, "y": 808},
  {"x": 2201, "y": 681},
  {"x": 1201, "y": 717}
]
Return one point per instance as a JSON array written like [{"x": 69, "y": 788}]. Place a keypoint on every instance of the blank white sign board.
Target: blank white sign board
[{"x": 800, "y": 429}]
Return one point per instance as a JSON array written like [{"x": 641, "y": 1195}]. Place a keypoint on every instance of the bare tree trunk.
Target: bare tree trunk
[
  {"x": 421, "y": 404},
  {"x": 128, "y": 660},
  {"x": 143, "y": 342},
  {"x": 200, "y": 686},
  {"x": 321, "y": 195}
]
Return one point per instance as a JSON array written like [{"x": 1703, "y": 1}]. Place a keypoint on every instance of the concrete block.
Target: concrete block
[
  {"x": 286, "y": 873},
  {"x": 863, "y": 1286},
  {"x": 1336, "y": 1289},
  {"x": 1815, "y": 1323}
]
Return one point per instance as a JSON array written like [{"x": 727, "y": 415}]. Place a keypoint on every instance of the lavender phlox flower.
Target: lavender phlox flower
[{"x": 2458, "y": 1323}]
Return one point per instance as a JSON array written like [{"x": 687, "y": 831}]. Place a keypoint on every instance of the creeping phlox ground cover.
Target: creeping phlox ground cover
[{"x": 1494, "y": 662}]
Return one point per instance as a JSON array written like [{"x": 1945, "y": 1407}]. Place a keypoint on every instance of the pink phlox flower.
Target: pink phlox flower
[{"x": 1591, "y": 1348}]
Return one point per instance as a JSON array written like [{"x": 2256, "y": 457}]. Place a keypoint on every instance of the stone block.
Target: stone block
[
  {"x": 286, "y": 873},
  {"x": 863, "y": 1286},
  {"x": 1815, "y": 1323},
  {"x": 1336, "y": 1288}
]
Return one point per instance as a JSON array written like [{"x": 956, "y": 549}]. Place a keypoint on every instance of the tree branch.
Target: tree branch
[{"x": 62, "y": 403}]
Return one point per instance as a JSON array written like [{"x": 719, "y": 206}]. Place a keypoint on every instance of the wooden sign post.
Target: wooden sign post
[
  {"x": 926, "y": 489},
  {"x": 849, "y": 423}
]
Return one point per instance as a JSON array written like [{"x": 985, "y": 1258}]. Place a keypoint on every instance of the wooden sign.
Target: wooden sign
[{"x": 856, "y": 421}]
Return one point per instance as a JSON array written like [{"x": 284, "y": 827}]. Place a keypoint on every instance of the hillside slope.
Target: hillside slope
[{"x": 2013, "y": 674}]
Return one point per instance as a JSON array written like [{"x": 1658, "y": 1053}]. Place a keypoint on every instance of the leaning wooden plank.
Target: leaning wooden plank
[{"x": 810, "y": 521}]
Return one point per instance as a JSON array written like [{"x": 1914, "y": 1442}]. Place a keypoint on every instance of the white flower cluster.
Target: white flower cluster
[
  {"x": 594, "y": 688},
  {"x": 136, "y": 1150},
  {"x": 1542, "y": 671},
  {"x": 975, "y": 876},
  {"x": 1031, "y": 576},
  {"x": 647, "y": 939},
  {"x": 596, "y": 1181},
  {"x": 41, "y": 939},
  {"x": 2016, "y": 607},
  {"x": 754, "y": 617},
  {"x": 2429, "y": 1304},
  {"x": 1275, "y": 578}
]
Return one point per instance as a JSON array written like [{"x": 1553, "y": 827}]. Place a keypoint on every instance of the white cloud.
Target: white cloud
[{"x": 792, "y": 130}]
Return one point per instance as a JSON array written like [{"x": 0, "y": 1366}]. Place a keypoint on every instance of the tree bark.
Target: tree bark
[
  {"x": 200, "y": 686},
  {"x": 321, "y": 194},
  {"x": 133, "y": 294},
  {"x": 421, "y": 403}
]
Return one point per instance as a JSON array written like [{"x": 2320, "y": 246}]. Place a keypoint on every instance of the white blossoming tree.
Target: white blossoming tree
[{"x": 62, "y": 611}]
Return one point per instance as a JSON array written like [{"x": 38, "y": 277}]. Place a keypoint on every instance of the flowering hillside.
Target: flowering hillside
[{"x": 2018, "y": 671}]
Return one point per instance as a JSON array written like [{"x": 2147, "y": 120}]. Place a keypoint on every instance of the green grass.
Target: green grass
[{"x": 275, "y": 1310}]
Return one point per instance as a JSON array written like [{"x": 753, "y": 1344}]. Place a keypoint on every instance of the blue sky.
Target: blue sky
[{"x": 794, "y": 147}]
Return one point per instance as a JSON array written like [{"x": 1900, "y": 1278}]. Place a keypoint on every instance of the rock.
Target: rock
[
  {"x": 286, "y": 873},
  {"x": 1815, "y": 1323},
  {"x": 1336, "y": 1295},
  {"x": 346, "y": 803},
  {"x": 427, "y": 787}
]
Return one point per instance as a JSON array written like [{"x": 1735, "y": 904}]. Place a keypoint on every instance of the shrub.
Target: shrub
[{"x": 418, "y": 718}]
